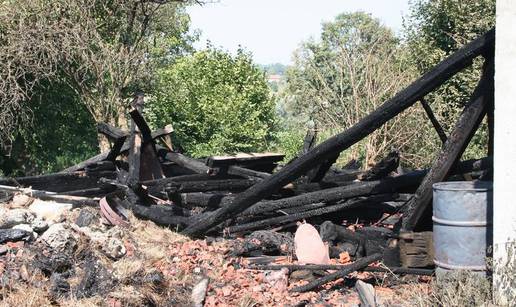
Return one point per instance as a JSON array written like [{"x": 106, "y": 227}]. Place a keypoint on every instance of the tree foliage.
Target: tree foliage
[
  {"x": 96, "y": 52},
  {"x": 61, "y": 133},
  {"x": 217, "y": 103},
  {"x": 100, "y": 49},
  {"x": 435, "y": 29},
  {"x": 355, "y": 66}
]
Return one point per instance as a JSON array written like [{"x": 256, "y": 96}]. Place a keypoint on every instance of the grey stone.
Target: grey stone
[
  {"x": 50, "y": 211},
  {"x": 27, "y": 228},
  {"x": 114, "y": 248},
  {"x": 199, "y": 292},
  {"x": 85, "y": 218},
  {"x": 13, "y": 217},
  {"x": 21, "y": 200},
  {"x": 302, "y": 275},
  {"x": 14, "y": 235},
  {"x": 59, "y": 238},
  {"x": 39, "y": 225}
]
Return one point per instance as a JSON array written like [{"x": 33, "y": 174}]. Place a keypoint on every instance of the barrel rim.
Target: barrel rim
[{"x": 474, "y": 186}]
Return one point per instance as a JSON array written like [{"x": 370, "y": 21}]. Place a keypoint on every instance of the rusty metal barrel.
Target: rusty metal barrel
[{"x": 462, "y": 222}]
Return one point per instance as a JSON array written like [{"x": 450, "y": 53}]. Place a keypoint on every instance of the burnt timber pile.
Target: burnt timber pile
[{"x": 254, "y": 196}]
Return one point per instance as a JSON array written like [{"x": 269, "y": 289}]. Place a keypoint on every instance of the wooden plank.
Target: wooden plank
[
  {"x": 187, "y": 162},
  {"x": 111, "y": 132},
  {"x": 366, "y": 294},
  {"x": 452, "y": 150},
  {"x": 243, "y": 159},
  {"x": 135, "y": 145},
  {"x": 392, "y": 107},
  {"x": 150, "y": 167}
]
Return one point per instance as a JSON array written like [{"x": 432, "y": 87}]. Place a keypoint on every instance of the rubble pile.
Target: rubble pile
[{"x": 144, "y": 224}]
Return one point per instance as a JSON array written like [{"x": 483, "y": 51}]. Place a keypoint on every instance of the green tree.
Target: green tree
[
  {"x": 355, "y": 66},
  {"x": 217, "y": 103},
  {"x": 433, "y": 30},
  {"x": 61, "y": 133},
  {"x": 102, "y": 50},
  {"x": 66, "y": 64}
]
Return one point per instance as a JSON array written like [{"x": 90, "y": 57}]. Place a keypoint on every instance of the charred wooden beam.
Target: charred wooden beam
[
  {"x": 342, "y": 176},
  {"x": 231, "y": 185},
  {"x": 93, "y": 192},
  {"x": 60, "y": 182},
  {"x": 334, "y": 267},
  {"x": 115, "y": 150},
  {"x": 165, "y": 181},
  {"x": 392, "y": 107},
  {"x": 309, "y": 140},
  {"x": 150, "y": 168},
  {"x": 452, "y": 150},
  {"x": 276, "y": 221},
  {"x": 189, "y": 163},
  {"x": 101, "y": 166},
  {"x": 387, "y": 185},
  {"x": 201, "y": 199},
  {"x": 438, "y": 128},
  {"x": 247, "y": 173},
  {"x": 317, "y": 174},
  {"x": 355, "y": 266},
  {"x": 243, "y": 159},
  {"x": 159, "y": 214}
]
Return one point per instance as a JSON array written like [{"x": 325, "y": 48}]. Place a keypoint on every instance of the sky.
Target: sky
[{"x": 272, "y": 29}]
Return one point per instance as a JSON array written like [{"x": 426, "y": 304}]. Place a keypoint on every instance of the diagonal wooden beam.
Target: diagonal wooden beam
[
  {"x": 452, "y": 150},
  {"x": 438, "y": 128}
]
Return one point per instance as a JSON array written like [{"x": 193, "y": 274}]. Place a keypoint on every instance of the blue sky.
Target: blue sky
[{"x": 273, "y": 29}]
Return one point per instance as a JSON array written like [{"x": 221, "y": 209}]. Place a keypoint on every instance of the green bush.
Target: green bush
[
  {"x": 61, "y": 133},
  {"x": 218, "y": 103}
]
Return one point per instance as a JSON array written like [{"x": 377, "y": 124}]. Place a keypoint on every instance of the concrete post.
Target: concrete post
[{"x": 504, "y": 191}]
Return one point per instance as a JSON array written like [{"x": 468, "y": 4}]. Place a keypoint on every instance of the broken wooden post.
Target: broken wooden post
[
  {"x": 392, "y": 107},
  {"x": 150, "y": 168},
  {"x": 135, "y": 142}
]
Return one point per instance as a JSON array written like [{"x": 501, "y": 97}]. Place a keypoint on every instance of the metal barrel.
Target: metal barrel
[{"x": 462, "y": 216}]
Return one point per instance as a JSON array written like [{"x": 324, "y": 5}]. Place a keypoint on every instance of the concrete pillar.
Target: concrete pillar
[{"x": 504, "y": 192}]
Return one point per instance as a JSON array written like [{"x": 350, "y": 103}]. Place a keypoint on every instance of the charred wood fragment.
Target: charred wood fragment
[{"x": 383, "y": 168}]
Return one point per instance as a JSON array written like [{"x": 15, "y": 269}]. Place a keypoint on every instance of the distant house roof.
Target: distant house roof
[{"x": 274, "y": 78}]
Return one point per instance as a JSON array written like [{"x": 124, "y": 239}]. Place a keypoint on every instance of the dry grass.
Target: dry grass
[
  {"x": 22, "y": 295},
  {"x": 455, "y": 289}
]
